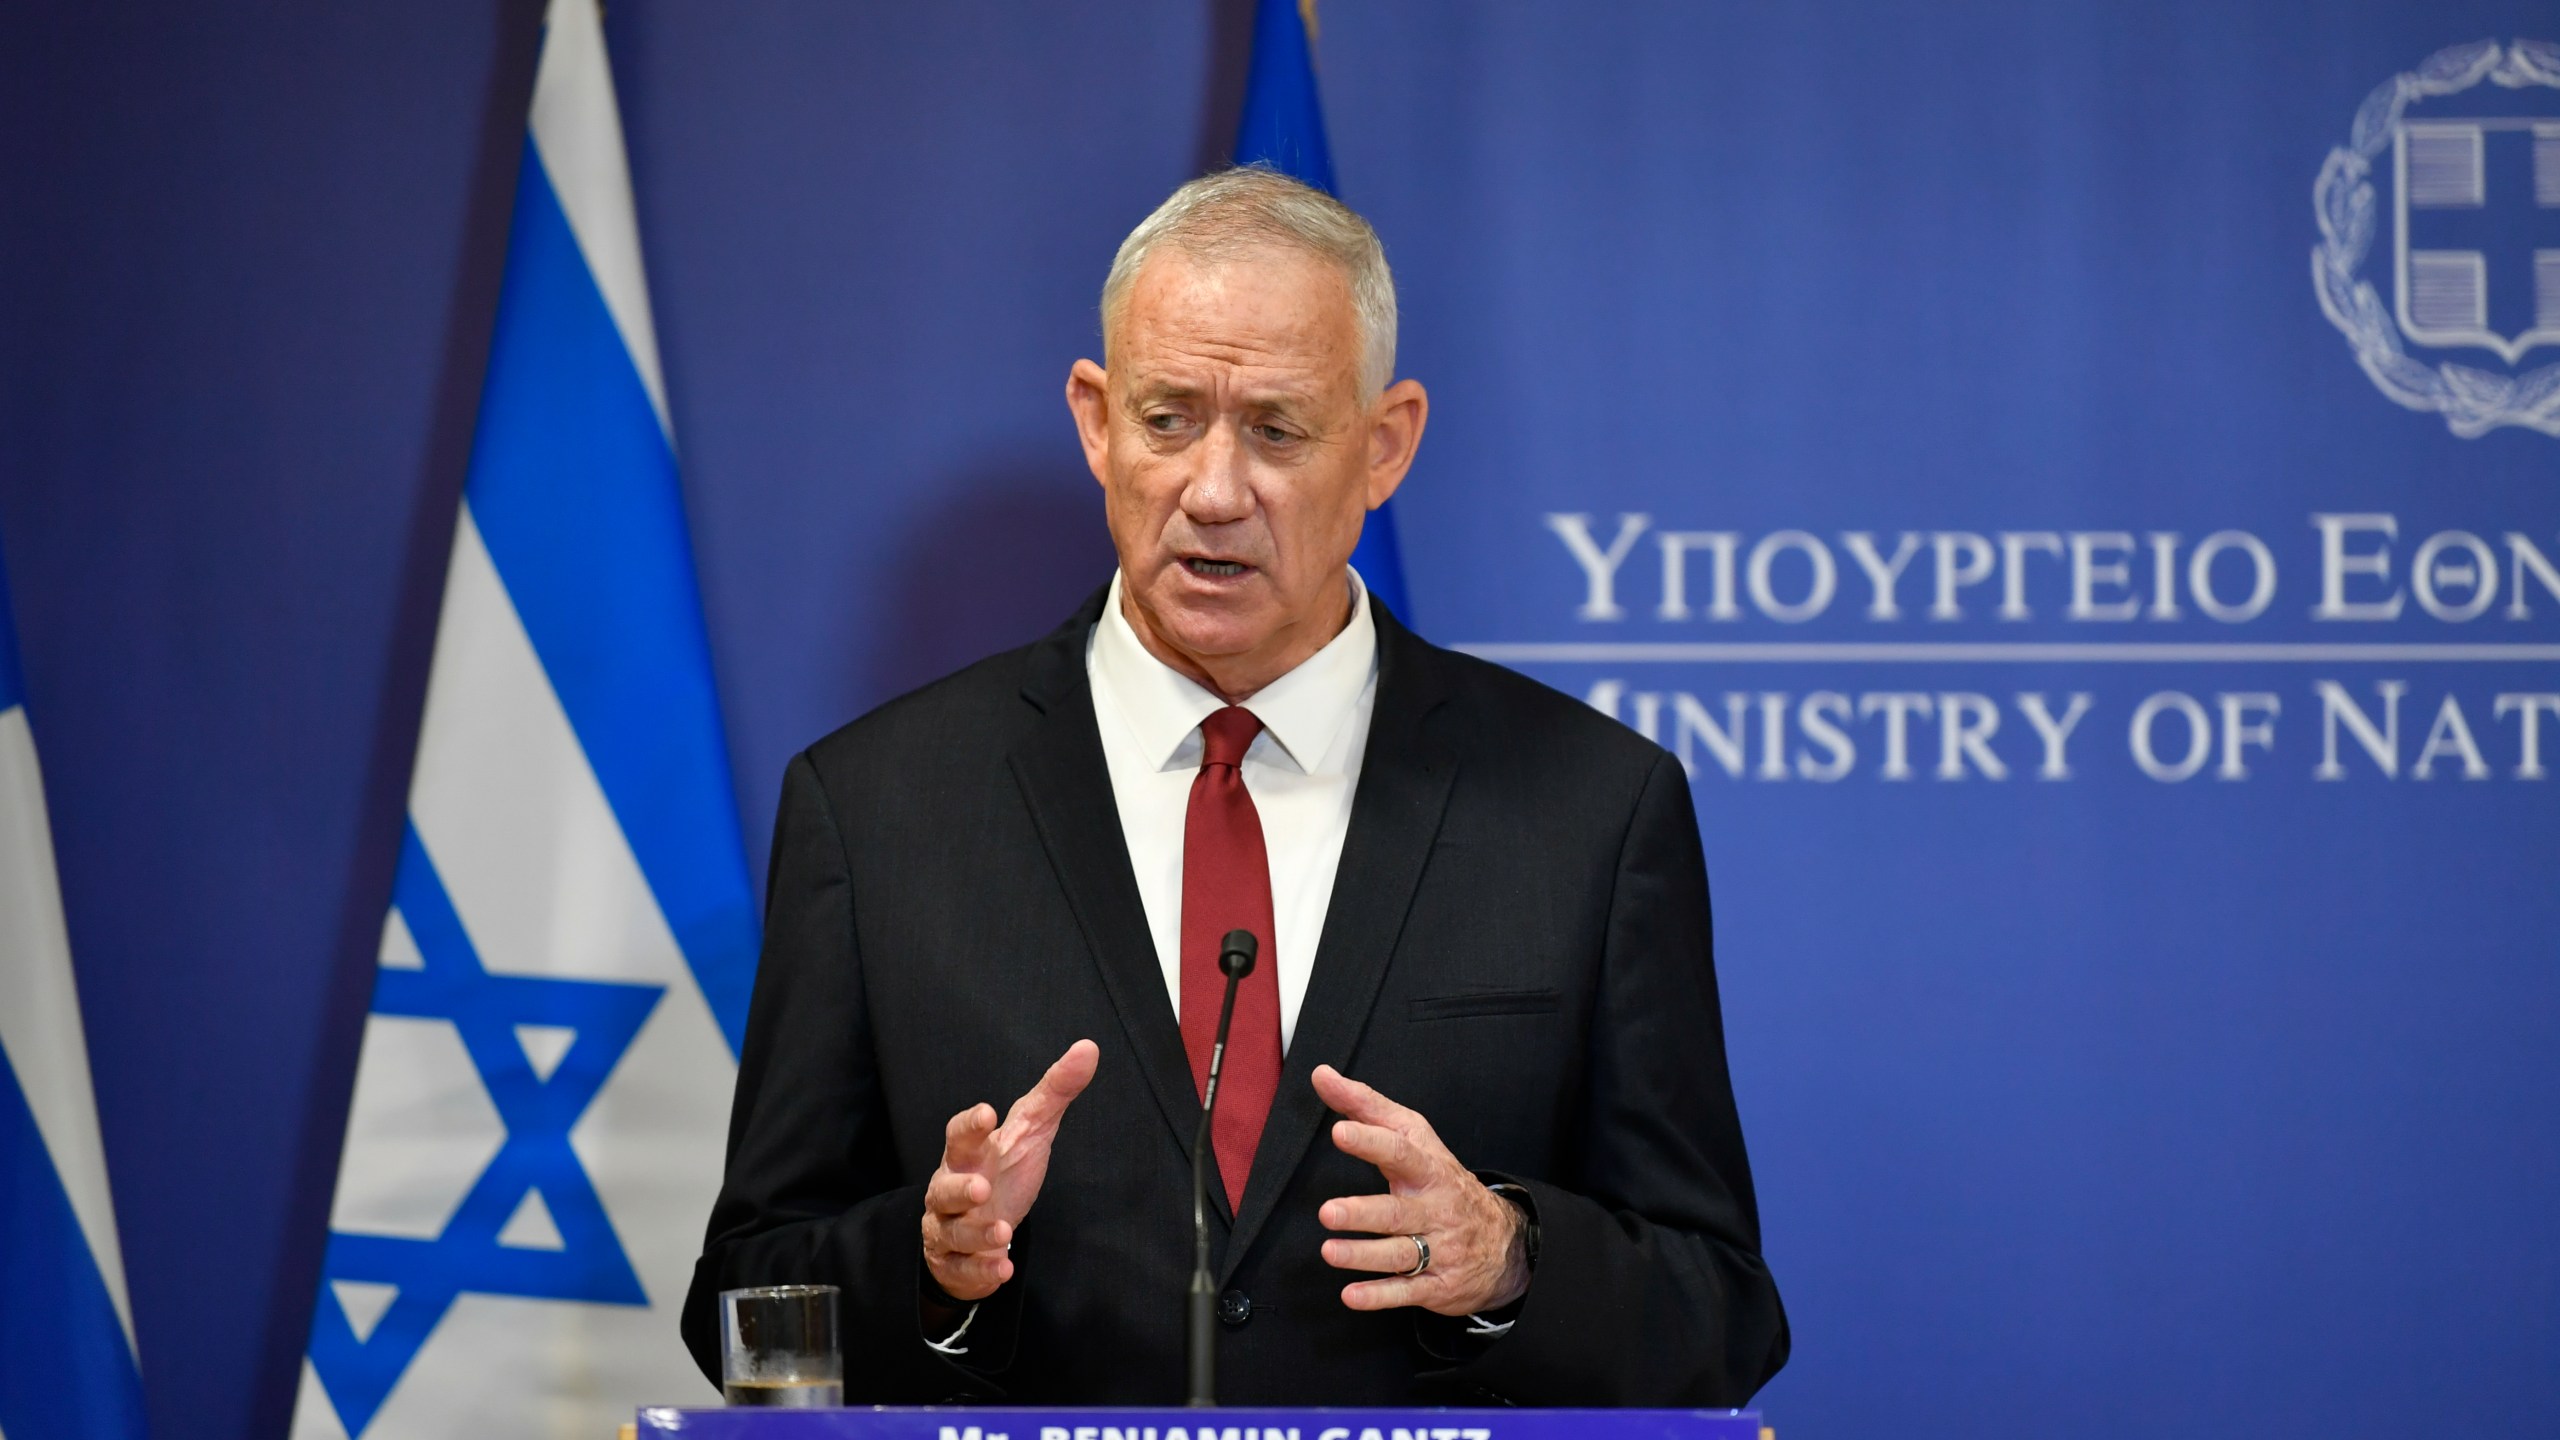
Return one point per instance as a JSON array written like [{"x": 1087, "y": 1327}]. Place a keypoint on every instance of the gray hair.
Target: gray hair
[{"x": 1226, "y": 214}]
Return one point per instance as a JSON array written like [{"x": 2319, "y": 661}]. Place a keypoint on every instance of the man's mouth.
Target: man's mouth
[{"x": 1214, "y": 569}]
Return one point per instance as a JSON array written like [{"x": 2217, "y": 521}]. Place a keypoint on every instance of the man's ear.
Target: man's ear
[
  {"x": 1395, "y": 433},
  {"x": 1089, "y": 400}
]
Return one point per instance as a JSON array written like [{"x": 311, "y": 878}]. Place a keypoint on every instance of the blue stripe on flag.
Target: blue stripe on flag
[
  {"x": 574, "y": 489},
  {"x": 1283, "y": 124},
  {"x": 64, "y": 1366},
  {"x": 1380, "y": 562},
  {"x": 1283, "y": 127}
]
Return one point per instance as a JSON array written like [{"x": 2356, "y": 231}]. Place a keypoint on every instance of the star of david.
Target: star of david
[{"x": 538, "y": 1111}]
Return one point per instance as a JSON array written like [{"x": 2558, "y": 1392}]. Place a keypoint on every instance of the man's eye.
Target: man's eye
[
  {"x": 1274, "y": 435},
  {"x": 1164, "y": 422}
]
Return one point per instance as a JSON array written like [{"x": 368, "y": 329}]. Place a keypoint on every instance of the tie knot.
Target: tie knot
[{"x": 1227, "y": 734}]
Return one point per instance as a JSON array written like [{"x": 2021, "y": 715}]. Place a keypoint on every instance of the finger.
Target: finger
[
  {"x": 954, "y": 1192},
  {"x": 974, "y": 1233},
  {"x": 1045, "y": 1102},
  {"x": 972, "y": 1276},
  {"x": 1362, "y": 1102},
  {"x": 1383, "y": 1257},
  {"x": 964, "y": 1140},
  {"x": 1373, "y": 1215},
  {"x": 1382, "y": 1294},
  {"x": 1395, "y": 1156}
]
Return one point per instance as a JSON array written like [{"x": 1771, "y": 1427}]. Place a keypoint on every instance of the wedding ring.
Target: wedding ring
[{"x": 1421, "y": 1255}]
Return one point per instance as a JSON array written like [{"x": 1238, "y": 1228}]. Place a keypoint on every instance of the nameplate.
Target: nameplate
[{"x": 994, "y": 1423}]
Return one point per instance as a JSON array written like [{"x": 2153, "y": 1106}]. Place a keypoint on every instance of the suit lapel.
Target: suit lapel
[
  {"x": 1395, "y": 815},
  {"x": 1067, "y": 784}
]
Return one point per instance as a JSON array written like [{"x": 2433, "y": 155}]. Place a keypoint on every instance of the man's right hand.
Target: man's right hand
[{"x": 990, "y": 1175}]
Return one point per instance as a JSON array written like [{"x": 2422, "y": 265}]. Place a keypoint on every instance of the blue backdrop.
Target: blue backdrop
[{"x": 2074, "y": 1101}]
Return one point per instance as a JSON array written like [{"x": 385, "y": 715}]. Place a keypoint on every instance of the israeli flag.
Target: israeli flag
[
  {"x": 536, "y": 1130},
  {"x": 67, "y": 1364}
]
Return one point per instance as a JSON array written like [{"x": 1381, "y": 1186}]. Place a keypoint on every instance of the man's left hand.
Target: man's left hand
[{"x": 1479, "y": 1254}]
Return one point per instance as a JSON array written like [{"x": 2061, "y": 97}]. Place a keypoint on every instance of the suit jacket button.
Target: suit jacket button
[{"x": 1234, "y": 1308}]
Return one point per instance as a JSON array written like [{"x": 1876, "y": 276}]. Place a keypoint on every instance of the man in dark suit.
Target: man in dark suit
[{"x": 1482, "y": 899}]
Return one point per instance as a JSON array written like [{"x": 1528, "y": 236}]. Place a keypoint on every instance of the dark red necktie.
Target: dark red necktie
[{"x": 1226, "y": 885}]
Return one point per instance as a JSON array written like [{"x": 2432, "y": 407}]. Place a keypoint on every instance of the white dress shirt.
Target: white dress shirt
[{"x": 1301, "y": 772}]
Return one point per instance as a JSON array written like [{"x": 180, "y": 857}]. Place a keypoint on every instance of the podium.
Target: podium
[{"x": 1109, "y": 1423}]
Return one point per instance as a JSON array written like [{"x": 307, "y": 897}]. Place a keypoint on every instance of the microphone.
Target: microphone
[{"x": 1235, "y": 960}]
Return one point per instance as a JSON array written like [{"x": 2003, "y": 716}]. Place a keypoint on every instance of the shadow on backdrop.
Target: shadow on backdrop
[
  {"x": 1016, "y": 545},
  {"x": 997, "y": 560},
  {"x": 1230, "y": 60},
  {"x": 470, "y": 317}
]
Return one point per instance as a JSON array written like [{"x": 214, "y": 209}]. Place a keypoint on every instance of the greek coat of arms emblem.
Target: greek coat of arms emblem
[{"x": 2473, "y": 243}]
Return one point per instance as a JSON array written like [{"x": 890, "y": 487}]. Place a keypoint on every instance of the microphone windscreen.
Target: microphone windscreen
[{"x": 1235, "y": 954}]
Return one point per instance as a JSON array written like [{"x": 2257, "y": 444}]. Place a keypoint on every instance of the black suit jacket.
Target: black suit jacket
[{"x": 1517, "y": 947}]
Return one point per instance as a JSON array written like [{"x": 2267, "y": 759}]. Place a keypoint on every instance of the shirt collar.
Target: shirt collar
[{"x": 1301, "y": 711}]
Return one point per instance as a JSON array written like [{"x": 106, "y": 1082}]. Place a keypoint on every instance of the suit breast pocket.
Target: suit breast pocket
[{"x": 1477, "y": 1004}]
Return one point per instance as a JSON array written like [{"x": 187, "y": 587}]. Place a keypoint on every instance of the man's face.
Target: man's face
[{"x": 1238, "y": 456}]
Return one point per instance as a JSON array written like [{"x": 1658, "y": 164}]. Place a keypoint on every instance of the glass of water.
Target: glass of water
[{"x": 778, "y": 1347}]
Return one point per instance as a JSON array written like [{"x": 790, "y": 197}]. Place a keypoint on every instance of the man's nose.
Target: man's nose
[{"x": 1220, "y": 489}]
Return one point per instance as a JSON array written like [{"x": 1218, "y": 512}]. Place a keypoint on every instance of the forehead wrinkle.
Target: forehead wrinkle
[
  {"x": 1242, "y": 376},
  {"x": 1285, "y": 351}
]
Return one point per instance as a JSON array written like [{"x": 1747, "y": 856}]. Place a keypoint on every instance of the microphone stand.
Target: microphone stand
[{"x": 1235, "y": 960}]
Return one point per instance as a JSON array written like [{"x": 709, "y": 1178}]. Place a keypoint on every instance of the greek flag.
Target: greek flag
[
  {"x": 67, "y": 1365},
  {"x": 1283, "y": 127},
  {"x": 535, "y": 1134}
]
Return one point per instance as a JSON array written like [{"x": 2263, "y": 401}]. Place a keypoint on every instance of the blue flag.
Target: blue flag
[
  {"x": 542, "y": 1094},
  {"x": 67, "y": 1365},
  {"x": 1283, "y": 127}
]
